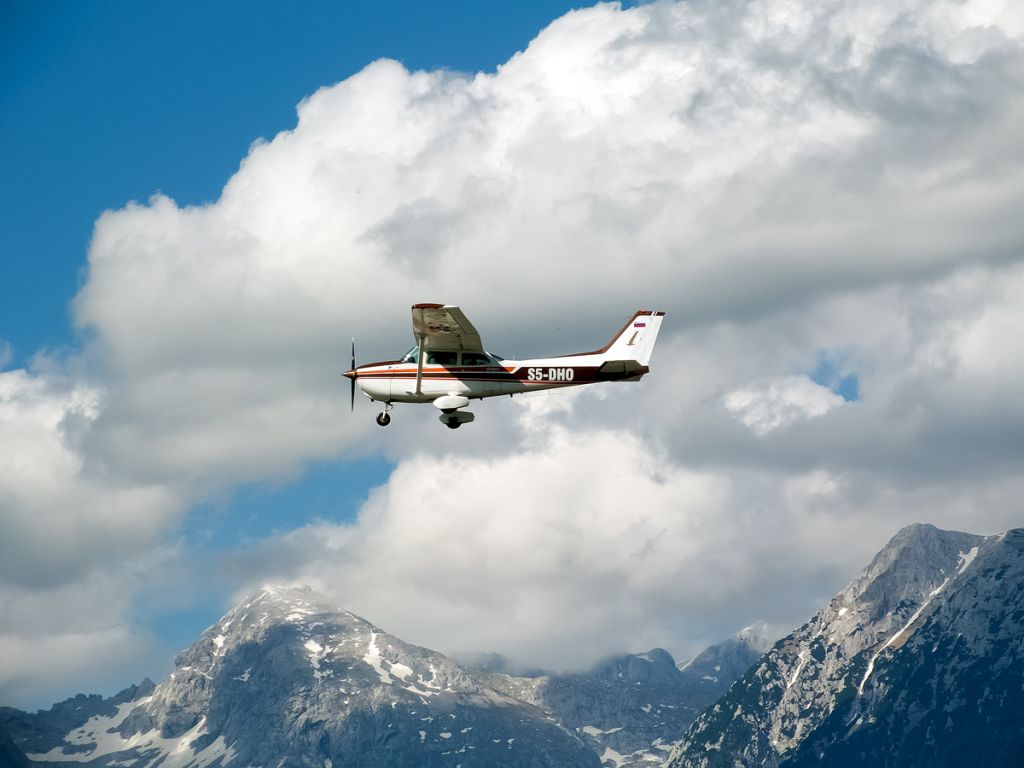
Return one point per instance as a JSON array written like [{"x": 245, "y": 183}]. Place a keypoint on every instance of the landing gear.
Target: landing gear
[
  {"x": 384, "y": 418},
  {"x": 455, "y": 419}
]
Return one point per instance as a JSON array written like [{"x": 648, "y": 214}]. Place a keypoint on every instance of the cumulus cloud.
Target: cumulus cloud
[
  {"x": 768, "y": 405},
  {"x": 81, "y": 635},
  {"x": 723, "y": 162},
  {"x": 785, "y": 179},
  {"x": 570, "y": 540},
  {"x": 61, "y": 517}
]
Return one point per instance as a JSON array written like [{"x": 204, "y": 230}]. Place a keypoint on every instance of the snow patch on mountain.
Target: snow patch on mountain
[{"x": 100, "y": 737}]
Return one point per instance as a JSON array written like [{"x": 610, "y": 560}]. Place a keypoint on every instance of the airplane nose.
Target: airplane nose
[{"x": 350, "y": 374}]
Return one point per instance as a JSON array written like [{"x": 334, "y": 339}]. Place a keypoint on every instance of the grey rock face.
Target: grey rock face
[
  {"x": 632, "y": 707},
  {"x": 11, "y": 755},
  {"x": 950, "y": 690},
  {"x": 831, "y": 661},
  {"x": 287, "y": 680}
]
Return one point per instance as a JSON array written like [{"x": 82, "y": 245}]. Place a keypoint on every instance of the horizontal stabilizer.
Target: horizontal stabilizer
[{"x": 629, "y": 367}]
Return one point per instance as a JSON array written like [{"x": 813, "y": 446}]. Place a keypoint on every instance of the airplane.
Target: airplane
[{"x": 449, "y": 367}]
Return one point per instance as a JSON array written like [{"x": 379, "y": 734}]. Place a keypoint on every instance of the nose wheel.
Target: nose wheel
[{"x": 383, "y": 418}]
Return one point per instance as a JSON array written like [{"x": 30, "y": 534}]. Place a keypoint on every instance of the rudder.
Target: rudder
[{"x": 637, "y": 338}]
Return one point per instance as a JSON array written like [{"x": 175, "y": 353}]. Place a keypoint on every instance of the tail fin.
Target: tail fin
[{"x": 635, "y": 342}]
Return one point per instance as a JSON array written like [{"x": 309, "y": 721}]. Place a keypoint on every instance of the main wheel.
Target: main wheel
[
  {"x": 384, "y": 419},
  {"x": 453, "y": 424}
]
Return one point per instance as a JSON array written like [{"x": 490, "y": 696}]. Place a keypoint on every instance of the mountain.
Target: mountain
[
  {"x": 22, "y": 732},
  {"x": 11, "y": 756},
  {"x": 916, "y": 663},
  {"x": 950, "y": 690},
  {"x": 285, "y": 679},
  {"x": 718, "y": 666},
  {"x": 632, "y": 707}
]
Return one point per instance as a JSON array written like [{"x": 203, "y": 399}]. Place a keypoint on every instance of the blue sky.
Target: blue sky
[
  {"x": 823, "y": 197},
  {"x": 103, "y": 103}
]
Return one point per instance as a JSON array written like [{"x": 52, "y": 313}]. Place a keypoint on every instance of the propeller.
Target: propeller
[{"x": 352, "y": 403}]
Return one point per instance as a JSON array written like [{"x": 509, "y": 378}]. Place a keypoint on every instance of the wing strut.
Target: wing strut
[{"x": 419, "y": 365}]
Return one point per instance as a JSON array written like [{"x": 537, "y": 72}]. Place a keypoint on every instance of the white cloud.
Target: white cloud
[
  {"x": 783, "y": 178},
  {"x": 60, "y": 516},
  {"x": 559, "y": 546},
  {"x": 77, "y": 637},
  {"x": 720, "y": 161},
  {"x": 768, "y": 405}
]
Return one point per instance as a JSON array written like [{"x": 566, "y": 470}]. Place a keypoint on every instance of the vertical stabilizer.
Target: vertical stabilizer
[{"x": 636, "y": 339}]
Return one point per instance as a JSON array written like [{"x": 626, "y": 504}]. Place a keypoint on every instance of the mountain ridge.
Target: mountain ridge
[
  {"x": 830, "y": 665},
  {"x": 286, "y": 675},
  {"x": 920, "y": 653}
]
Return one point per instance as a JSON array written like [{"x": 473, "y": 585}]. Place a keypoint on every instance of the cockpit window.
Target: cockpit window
[
  {"x": 476, "y": 358},
  {"x": 412, "y": 356},
  {"x": 447, "y": 359}
]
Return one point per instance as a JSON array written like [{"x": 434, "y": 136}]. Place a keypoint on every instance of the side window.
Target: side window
[
  {"x": 475, "y": 358},
  {"x": 447, "y": 359}
]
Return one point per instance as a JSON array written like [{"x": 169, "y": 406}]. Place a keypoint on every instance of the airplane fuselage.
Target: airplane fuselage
[{"x": 395, "y": 381}]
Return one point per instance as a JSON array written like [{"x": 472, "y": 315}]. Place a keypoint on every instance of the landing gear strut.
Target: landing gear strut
[{"x": 384, "y": 418}]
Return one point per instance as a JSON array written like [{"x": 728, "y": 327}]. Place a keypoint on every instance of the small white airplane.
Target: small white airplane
[{"x": 449, "y": 367}]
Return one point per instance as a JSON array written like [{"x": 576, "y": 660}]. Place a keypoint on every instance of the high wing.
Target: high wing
[{"x": 444, "y": 327}]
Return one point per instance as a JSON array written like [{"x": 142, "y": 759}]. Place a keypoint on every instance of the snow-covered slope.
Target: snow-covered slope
[
  {"x": 803, "y": 693},
  {"x": 287, "y": 680},
  {"x": 42, "y": 730}
]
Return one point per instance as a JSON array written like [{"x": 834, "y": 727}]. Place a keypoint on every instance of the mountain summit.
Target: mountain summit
[
  {"x": 286, "y": 679},
  {"x": 918, "y": 662}
]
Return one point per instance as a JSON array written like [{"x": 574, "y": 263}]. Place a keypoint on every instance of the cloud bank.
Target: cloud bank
[{"x": 787, "y": 180}]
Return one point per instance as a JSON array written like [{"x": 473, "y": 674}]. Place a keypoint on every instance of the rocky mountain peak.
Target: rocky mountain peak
[
  {"x": 656, "y": 665},
  {"x": 286, "y": 678},
  {"x": 948, "y": 688},
  {"x": 914, "y": 562},
  {"x": 798, "y": 683}
]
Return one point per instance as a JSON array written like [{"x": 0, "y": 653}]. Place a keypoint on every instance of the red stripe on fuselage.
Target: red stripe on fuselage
[{"x": 535, "y": 374}]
